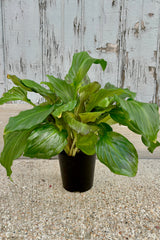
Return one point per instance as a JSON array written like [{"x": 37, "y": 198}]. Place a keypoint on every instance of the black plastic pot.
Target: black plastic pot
[{"x": 77, "y": 172}]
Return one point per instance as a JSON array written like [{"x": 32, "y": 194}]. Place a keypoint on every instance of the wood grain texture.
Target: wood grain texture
[
  {"x": 2, "y": 59},
  {"x": 23, "y": 41},
  {"x": 39, "y": 37}
]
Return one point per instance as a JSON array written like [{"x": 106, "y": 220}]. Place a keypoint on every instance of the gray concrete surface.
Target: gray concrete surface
[{"x": 36, "y": 206}]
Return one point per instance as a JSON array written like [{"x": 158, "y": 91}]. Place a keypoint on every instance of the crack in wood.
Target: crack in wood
[
  {"x": 4, "y": 47},
  {"x": 122, "y": 44},
  {"x": 22, "y": 65},
  {"x": 76, "y": 26},
  {"x": 42, "y": 14},
  {"x": 153, "y": 71}
]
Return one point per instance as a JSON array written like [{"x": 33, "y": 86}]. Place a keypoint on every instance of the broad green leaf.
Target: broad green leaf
[
  {"x": 84, "y": 93},
  {"x": 90, "y": 116},
  {"x": 89, "y": 88},
  {"x": 96, "y": 98},
  {"x": 106, "y": 119},
  {"x": 45, "y": 141},
  {"x": 103, "y": 128},
  {"x": 126, "y": 92},
  {"x": 144, "y": 117},
  {"x": 62, "y": 89},
  {"x": 63, "y": 108},
  {"x": 79, "y": 127},
  {"x": 29, "y": 118},
  {"x": 15, "y": 93},
  {"x": 86, "y": 80},
  {"x": 151, "y": 145},
  {"x": 37, "y": 88},
  {"x": 32, "y": 86},
  {"x": 117, "y": 153},
  {"x": 87, "y": 143},
  {"x": 17, "y": 82},
  {"x": 105, "y": 102},
  {"x": 80, "y": 65},
  {"x": 49, "y": 84},
  {"x": 122, "y": 117},
  {"x": 14, "y": 144}
]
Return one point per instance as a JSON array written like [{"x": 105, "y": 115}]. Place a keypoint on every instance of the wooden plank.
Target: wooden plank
[
  {"x": 23, "y": 55},
  {"x": 150, "y": 45},
  {"x": 72, "y": 29},
  {"x": 40, "y": 37},
  {"x": 61, "y": 35},
  {"x": 50, "y": 18},
  {"x": 139, "y": 46},
  {"x": 100, "y": 37},
  {"x": 156, "y": 98},
  {"x": 2, "y": 59}
]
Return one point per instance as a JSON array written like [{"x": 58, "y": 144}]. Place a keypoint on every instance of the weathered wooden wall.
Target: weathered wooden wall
[{"x": 39, "y": 37}]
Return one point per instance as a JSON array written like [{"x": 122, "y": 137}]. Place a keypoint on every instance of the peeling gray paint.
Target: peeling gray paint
[
  {"x": 4, "y": 87},
  {"x": 40, "y": 37},
  {"x": 137, "y": 27},
  {"x": 110, "y": 47},
  {"x": 122, "y": 42},
  {"x": 150, "y": 14},
  {"x": 114, "y": 3}
]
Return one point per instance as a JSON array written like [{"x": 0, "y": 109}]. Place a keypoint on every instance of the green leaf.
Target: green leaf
[
  {"x": 143, "y": 117},
  {"x": 80, "y": 65},
  {"x": 32, "y": 86},
  {"x": 37, "y": 88},
  {"x": 88, "y": 89},
  {"x": 63, "y": 108},
  {"x": 17, "y": 82},
  {"x": 105, "y": 102},
  {"x": 151, "y": 145},
  {"x": 106, "y": 119},
  {"x": 117, "y": 153},
  {"x": 90, "y": 116},
  {"x": 14, "y": 144},
  {"x": 45, "y": 141},
  {"x": 79, "y": 127},
  {"x": 97, "y": 97},
  {"x": 86, "y": 80},
  {"x": 103, "y": 128},
  {"x": 122, "y": 117},
  {"x": 84, "y": 93},
  {"x": 126, "y": 92},
  {"x": 87, "y": 143},
  {"x": 15, "y": 93},
  {"x": 29, "y": 118},
  {"x": 62, "y": 89},
  {"x": 48, "y": 84}
]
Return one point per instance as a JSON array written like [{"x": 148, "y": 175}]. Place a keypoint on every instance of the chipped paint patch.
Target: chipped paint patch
[
  {"x": 76, "y": 26},
  {"x": 125, "y": 33},
  {"x": 150, "y": 14},
  {"x": 114, "y": 3},
  {"x": 153, "y": 71},
  {"x": 139, "y": 26},
  {"x": 110, "y": 47}
]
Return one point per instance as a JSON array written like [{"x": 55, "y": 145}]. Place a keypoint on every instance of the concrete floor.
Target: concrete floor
[{"x": 36, "y": 206}]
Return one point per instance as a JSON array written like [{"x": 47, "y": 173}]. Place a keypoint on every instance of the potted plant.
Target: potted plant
[{"x": 75, "y": 122}]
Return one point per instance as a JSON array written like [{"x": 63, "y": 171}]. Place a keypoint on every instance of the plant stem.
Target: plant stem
[
  {"x": 72, "y": 147},
  {"x": 75, "y": 151}
]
